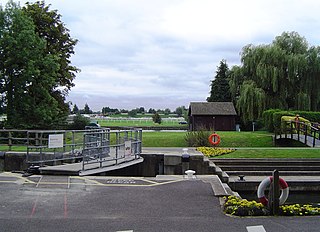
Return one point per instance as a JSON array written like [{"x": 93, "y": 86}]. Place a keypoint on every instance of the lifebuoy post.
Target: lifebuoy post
[
  {"x": 214, "y": 139},
  {"x": 268, "y": 182},
  {"x": 274, "y": 204}
]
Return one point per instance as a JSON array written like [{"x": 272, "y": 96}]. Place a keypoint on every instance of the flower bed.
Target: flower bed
[
  {"x": 214, "y": 151},
  {"x": 241, "y": 207}
]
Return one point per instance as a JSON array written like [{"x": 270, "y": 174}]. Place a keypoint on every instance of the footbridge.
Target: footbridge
[
  {"x": 86, "y": 152},
  {"x": 308, "y": 134}
]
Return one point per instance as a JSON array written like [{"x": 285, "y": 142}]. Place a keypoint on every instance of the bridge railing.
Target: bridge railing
[
  {"x": 55, "y": 147},
  {"x": 106, "y": 148},
  {"x": 304, "y": 131}
]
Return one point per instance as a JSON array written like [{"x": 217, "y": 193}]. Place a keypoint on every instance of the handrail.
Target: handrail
[
  {"x": 91, "y": 146},
  {"x": 299, "y": 129}
]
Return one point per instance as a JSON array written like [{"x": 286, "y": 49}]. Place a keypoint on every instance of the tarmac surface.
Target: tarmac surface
[{"x": 94, "y": 203}]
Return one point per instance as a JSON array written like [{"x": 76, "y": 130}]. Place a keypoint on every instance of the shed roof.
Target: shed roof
[{"x": 212, "y": 108}]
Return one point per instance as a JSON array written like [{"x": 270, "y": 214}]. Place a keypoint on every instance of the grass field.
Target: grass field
[
  {"x": 139, "y": 123},
  {"x": 249, "y": 144},
  {"x": 228, "y": 139}
]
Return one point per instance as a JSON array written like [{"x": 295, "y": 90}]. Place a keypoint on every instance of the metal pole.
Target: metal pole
[
  {"x": 275, "y": 193},
  {"x": 306, "y": 134}
]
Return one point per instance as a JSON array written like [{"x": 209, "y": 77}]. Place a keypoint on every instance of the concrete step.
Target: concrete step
[
  {"x": 268, "y": 162},
  {"x": 218, "y": 187},
  {"x": 266, "y": 173},
  {"x": 227, "y": 168},
  {"x": 296, "y": 183}
]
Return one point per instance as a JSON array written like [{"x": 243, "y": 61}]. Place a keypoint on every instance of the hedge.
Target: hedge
[{"x": 272, "y": 117}]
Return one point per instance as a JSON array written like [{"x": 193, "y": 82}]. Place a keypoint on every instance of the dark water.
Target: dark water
[{"x": 294, "y": 197}]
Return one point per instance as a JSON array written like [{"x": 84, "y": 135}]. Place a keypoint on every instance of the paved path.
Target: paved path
[
  {"x": 166, "y": 203},
  {"x": 308, "y": 140}
]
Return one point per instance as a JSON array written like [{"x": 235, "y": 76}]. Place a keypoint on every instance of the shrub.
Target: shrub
[
  {"x": 272, "y": 117},
  {"x": 299, "y": 210},
  {"x": 79, "y": 123},
  {"x": 198, "y": 138},
  {"x": 268, "y": 119},
  {"x": 241, "y": 207},
  {"x": 156, "y": 118}
]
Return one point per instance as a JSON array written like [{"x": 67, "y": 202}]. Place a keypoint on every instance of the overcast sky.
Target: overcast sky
[{"x": 164, "y": 53}]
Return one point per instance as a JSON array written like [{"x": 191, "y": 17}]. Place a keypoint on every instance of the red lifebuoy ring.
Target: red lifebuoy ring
[
  {"x": 263, "y": 185},
  {"x": 214, "y": 139}
]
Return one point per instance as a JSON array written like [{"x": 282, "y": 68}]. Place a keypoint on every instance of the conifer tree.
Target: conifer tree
[{"x": 220, "y": 89}]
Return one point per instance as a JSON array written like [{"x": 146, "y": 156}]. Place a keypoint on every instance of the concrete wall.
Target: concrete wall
[
  {"x": 160, "y": 164},
  {"x": 153, "y": 165},
  {"x": 13, "y": 161}
]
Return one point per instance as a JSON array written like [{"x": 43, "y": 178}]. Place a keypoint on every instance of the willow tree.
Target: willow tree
[
  {"x": 285, "y": 74},
  {"x": 251, "y": 102}
]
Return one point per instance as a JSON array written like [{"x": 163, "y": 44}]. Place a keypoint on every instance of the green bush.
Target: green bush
[
  {"x": 198, "y": 138},
  {"x": 310, "y": 115},
  {"x": 277, "y": 118},
  {"x": 241, "y": 207},
  {"x": 268, "y": 119},
  {"x": 272, "y": 117},
  {"x": 79, "y": 123}
]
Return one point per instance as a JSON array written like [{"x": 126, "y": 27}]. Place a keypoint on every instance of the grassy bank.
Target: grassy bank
[
  {"x": 228, "y": 139},
  {"x": 164, "y": 139},
  {"x": 249, "y": 144}
]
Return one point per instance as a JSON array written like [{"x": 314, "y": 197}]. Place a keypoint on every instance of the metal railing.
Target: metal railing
[
  {"x": 106, "y": 148},
  {"x": 300, "y": 131},
  {"x": 91, "y": 147}
]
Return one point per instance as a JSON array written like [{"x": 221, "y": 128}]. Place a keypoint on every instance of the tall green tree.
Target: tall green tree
[
  {"x": 180, "y": 111},
  {"x": 220, "y": 89},
  {"x": 24, "y": 84},
  {"x": 284, "y": 74},
  {"x": 31, "y": 74},
  {"x": 59, "y": 43},
  {"x": 156, "y": 118},
  {"x": 75, "y": 109},
  {"x": 87, "y": 109}
]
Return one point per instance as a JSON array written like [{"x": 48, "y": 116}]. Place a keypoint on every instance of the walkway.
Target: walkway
[
  {"x": 308, "y": 140},
  {"x": 63, "y": 203}
]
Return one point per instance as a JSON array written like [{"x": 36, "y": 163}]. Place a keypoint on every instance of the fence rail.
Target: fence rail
[{"x": 307, "y": 133}]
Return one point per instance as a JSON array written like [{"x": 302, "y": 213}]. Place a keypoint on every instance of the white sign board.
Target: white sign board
[
  {"x": 127, "y": 149},
  {"x": 55, "y": 141}
]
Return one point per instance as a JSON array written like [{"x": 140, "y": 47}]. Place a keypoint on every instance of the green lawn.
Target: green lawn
[
  {"x": 245, "y": 139},
  {"x": 228, "y": 139},
  {"x": 249, "y": 144},
  {"x": 164, "y": 139},
  {"x": 138, "y": 123}
]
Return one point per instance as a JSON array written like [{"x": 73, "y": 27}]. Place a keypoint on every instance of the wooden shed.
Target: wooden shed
[{"x": 218, "y": 116}]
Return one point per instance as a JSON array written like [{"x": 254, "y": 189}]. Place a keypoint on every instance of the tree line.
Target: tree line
[
  {"x": 179, "y": 111},
  {"x": 282, "y": 75}
]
